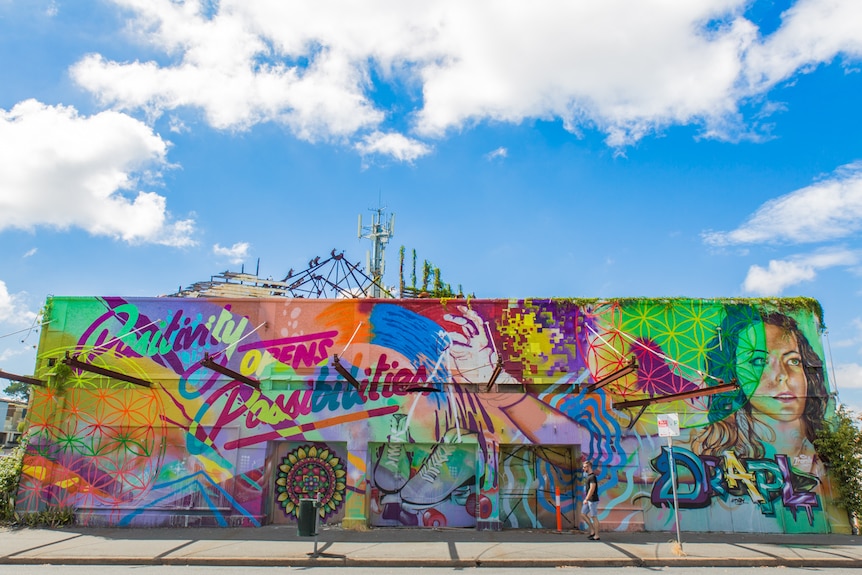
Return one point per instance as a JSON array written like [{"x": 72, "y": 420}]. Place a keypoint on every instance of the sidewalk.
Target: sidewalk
[{"x": 280, "y": 546}]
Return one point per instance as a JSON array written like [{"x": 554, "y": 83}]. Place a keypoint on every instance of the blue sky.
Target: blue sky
[{"x": 592, "y": 149}]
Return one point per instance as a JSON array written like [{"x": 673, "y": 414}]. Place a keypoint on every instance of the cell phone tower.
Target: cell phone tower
[{"x": 381, "y": 229}]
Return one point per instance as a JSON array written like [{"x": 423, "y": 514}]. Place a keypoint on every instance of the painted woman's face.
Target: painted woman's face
[{"x": 783, "y": 388}]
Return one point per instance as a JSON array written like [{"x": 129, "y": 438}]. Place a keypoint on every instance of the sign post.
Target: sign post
[{"x": 668, "y": 426}]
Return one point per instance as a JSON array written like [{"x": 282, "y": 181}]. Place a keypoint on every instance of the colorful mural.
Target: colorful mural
[
  {"x": 429, "y": 413},
  {"x": 423, "y": 485}
]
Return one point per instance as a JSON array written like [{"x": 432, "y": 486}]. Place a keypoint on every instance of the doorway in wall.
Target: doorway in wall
[
  {"x": 530, "y": 476},
  {"x": 422, "y": 485}
]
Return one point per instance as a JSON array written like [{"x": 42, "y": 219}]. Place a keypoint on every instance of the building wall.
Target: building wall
[
  {"x": 11, "y": 413},
  {"x": 424, "y": 440},
  {"x": 4, "y": 407}
]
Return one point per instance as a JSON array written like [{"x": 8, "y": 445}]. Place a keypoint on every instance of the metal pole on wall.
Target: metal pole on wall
[
  {"x": 668, "y": 426},
  {"x": 673, "y": 484}
]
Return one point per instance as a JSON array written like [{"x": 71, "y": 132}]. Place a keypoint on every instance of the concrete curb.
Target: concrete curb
[
  {"x": 824, "y": 563},
  {"x": 274, "y": 547}
]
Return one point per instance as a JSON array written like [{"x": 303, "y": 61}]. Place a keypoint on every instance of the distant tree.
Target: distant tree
[
  {"x": 17, "y": 390},
  {"x": 432, "y": 285},
  {"x": 839, "y": 443},
  {"x": 426, "y": 275}
]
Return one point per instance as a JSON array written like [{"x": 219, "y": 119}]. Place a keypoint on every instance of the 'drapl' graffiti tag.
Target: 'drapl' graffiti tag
[{"x": 763, "y": 481}]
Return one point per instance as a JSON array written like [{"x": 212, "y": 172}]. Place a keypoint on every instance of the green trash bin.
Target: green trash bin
[{"x": 306, "y": 524}]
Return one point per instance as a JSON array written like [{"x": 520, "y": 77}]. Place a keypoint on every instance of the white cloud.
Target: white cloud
[
  {"x": 10, "y": 352},
  {"x": 394, "y": 145},
  {"x": 625, "y": 67},
  {"x": 30, "y": 253},
  {"x": 848, "y": 376},
  {"x": 17, "y": 323},
  {"x": 778, "y": 276},
  {"x": 853, "y": 340},
  {"x": 236, "y": 254},
  {"x": 812, "y": 32},
  {"x": 826, "y": 210},
  {"x": 500, "y": 152},
  {"x": 64, "y": 170},
  {"x": 177, "y": 126},
  {"x": 18, "y": 350},
  {"x": 13, "y": 311},
  {"x": 857, "y": 340},
  {"x": 781, "y": 274},
  {"x": 237, "y": 74}
]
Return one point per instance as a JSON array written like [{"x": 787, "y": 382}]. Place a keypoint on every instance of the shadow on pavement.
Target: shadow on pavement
[{"x": 335, "y": 534}]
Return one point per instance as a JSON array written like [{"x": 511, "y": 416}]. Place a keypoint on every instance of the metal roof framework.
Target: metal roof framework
[{"x": 334, "y": 277}]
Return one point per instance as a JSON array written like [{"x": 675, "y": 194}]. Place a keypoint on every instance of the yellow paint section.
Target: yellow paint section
[
  {"x": 735, "y": 473},
  {"x": 66, "y": 483},
  {"x": 532, "y": 343},
  {"x": 356, "y": 461},
  {"x": 35, "y": 471}
]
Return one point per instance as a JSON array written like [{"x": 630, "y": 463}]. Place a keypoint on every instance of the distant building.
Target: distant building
[
  {"x": 432, "y": 412},
  {"x": 12, "y": 412}
]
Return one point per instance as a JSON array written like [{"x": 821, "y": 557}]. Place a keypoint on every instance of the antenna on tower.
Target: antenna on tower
[{"x": 381, "y": 229}]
